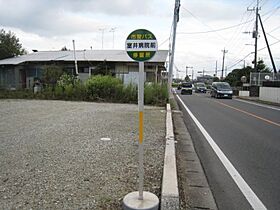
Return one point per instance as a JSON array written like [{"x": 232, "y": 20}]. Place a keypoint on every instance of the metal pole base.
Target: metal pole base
[{"x": 131, "y": 201}]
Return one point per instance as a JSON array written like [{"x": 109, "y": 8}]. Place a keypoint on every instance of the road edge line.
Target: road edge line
[
  {"x": 249, "y": 194},
  {"x": 257, "y": 104},
  {"x": 169, "y": 190}
]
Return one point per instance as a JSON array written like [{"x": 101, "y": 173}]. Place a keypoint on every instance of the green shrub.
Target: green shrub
[
  {"x": 66, "y": 80},
  {"x": 68, "y": 92},
  {"x": 16, "y": 94},
  {"x": 79, "y": 91},
  {"x": 104, "y": 88},
  {"x": 51, "y": 74},
  {"x": 96, "y": 88},
  {"x": 156, "y": 94},
  {"x": 58, "y": 92},
  {"x": 130, "y": 93}
]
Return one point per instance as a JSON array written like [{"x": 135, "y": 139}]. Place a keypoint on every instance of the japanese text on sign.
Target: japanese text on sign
[{"x": 142, "y": 36}]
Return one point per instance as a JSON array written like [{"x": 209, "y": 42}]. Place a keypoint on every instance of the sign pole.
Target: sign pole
[
  {"x": 141, "y": 45},
  {"x": 141, "y": 127}
]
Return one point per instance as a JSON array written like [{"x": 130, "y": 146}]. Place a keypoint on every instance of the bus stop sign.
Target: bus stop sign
[{"x": 141, "y": 45}]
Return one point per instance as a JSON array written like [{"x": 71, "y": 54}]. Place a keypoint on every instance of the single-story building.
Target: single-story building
[{"x": 20, "y": 72}]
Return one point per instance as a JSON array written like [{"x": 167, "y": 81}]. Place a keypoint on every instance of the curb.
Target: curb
[{"x": 170, "y": 192}]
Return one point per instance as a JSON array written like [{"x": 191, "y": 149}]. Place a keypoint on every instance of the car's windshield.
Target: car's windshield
[
  {"x": 200, "y": 85},
  {"x": 186, "y": 85},
  {"x": 223, "y": 86}
]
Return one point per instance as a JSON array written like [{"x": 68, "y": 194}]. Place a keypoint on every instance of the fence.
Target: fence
[{"x": 257, "y": 78}]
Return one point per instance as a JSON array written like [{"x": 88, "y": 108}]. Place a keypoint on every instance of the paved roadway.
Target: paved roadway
[{"x": 249, "y": 136}]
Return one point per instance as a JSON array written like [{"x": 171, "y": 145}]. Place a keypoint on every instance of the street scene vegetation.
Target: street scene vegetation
[
  {"x": 97, "y": 88},
  {"x": 56, "y": 84}
]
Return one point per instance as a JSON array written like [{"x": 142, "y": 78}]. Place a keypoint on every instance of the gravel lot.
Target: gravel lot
[{"x": 52, "y": 155}]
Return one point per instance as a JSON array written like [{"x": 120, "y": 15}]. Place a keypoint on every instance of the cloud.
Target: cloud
[
  {"x": 61, "y": 17},
  {"x": 211, "y": 10},
  {"x": 116, "y": 7}
]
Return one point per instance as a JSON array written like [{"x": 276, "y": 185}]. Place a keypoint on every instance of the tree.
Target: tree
[
  {"x": 187, "y": 78},
  {"x": 234, "y": 77},
  {"x": 261, "y": 67},
  {"x": 216, "y": 79},
  {"x": 51, "y": 74},
  {"x": 64, "y": 48},
  {"x": 9, "y": 45}
]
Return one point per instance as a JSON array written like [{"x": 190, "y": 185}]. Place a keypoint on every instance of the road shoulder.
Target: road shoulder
[{"x": 193, "y": 186}]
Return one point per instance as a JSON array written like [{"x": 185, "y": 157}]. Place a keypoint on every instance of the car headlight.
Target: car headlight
[{"x": 230, "y": 92}]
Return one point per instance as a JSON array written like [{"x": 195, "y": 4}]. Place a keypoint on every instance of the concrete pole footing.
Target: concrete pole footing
[{"x": 131, "y": 201}]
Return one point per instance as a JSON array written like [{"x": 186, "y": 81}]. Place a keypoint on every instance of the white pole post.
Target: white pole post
[
  {"x": 141, "y": 128},
  {"x": 76, "y": 64}
]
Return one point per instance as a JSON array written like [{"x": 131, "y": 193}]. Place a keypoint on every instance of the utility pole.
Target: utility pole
[
  {"x": 192, "y": 75},
  {"x": 226, "y": 72},
  {"x": 113, "y": 31},
  {"x": 175, "y": 21},
  {"x": 224, "y": 52},
  {"x": 216, "y": 70},
  {"x": 102, "y": 30},
  {"x": 255, "y": 34},
  {"x": 188, "y": 67}
]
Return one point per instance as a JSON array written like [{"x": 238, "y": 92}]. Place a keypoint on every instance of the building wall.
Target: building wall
[
  {"x": 129, "y": 73},
  {"x": 7, "y": 78},
  {"x": 271, "y": 94},
  {"x": 23, "y": 76}
]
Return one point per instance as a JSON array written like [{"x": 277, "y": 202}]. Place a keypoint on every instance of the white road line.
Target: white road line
[
  {"x": 262, "y": 105},
  {"x": 251, "y": 197}
]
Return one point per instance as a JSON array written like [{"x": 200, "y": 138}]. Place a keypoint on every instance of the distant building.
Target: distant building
[
  {"x": 207, "y": 79},
  {"x": 20, "y": 72}
]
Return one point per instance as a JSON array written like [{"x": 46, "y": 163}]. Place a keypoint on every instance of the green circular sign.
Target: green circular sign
[{"x": 141, "y": 45}]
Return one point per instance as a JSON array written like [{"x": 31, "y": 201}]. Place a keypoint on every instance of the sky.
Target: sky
[{"x": 205, "y": 28}]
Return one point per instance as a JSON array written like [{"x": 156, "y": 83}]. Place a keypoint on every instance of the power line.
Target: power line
[
  {"x": 274, "y": 29},
  {"x": 271, "y": 13},
  {"x": 201, "y": 21},
  {"x": 164, "y": 42},
  {"x": 273, "y": 36},
  {"x": 240, "y": 60},
  {"x": 251, "y": 3},
  {"x": 269, "y": 45},
  {"x": 252, "y": 53},
  {"x": 236, "y": 33},
  {"x": 215, "y": 30},
  {"x": 239, "y": 35}
]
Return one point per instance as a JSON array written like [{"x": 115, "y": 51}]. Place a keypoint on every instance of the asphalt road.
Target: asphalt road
[{"x": 249, "y": 136}]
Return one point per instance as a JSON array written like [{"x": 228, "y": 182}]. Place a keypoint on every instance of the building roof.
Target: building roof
[{"x": 81, "y": 55}]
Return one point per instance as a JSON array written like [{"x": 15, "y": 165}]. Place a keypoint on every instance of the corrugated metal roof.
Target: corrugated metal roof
[{"x": 81, "y": 55}]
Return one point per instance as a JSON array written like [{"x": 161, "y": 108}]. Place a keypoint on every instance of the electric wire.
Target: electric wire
[
  {"x": 274, "y": 29},
  {"x": 236, "y": 63},
  {"x": 216, "y": 30},
  {"x": 271, "y": 14},
  {"x": 252, "y": 53},
  {"x": 201, "y": 21}
]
